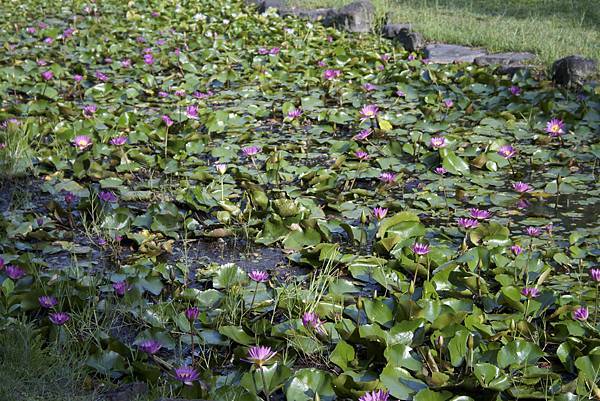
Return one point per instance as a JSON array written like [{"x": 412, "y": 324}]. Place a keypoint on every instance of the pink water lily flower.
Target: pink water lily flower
[
  {"x": 82, "y": 142},
  {"x": 420, "y": 249},
  {"x": 379, "y": 212},
  {"x": 555, "y": 127},
  {"x": 376, "y": 395},
  {"x": 369, "y": 111},
  {"x": 260, "y": 355}
]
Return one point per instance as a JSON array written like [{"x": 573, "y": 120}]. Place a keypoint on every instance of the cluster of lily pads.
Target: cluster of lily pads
[{"x": 435, "y": 227}]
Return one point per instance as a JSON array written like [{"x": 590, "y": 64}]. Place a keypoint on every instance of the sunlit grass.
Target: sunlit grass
[{"x": 549, "y": 28}]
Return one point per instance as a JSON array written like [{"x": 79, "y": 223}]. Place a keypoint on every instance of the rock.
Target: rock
[
  {"x": 324, "y": 15},
  {"x": 504, "y": 59},
  {"x": 127, "y": 392},
  {"x": 573, "y": 70},
  {"x": 442, "y": 53},
  {"x": 411, "y": 41},
  {"x": 358, "y": 16}
]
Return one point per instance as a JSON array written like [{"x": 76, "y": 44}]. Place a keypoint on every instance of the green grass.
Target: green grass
[
  {"x": 31, "y": 371},
  {"x": 549, "y": 28}
]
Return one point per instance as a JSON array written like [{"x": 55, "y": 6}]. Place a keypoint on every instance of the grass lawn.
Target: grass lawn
[{"x": 549, "y": 28}]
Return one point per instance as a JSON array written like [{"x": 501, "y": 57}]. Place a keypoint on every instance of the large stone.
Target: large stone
[
  {"x": 358, "y": 16},
  {"x": 442, "y": 53},
  {"x": 411, "y": 41},
  {"x": 127, "y": 392},
  {"x": 573, "y": 70},
  {"x": 505, "y": 59}
]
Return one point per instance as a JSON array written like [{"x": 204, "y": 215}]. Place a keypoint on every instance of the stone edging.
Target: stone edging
[{"x": 359, "y": 16}]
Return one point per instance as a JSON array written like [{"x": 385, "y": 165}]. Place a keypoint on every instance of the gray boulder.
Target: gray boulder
[
  {"x": 442, "y": 53},
  {"x": 411, "y": 41},
  {"x": 573, "y": 70},
  {"x": 504, "y": 59},
  {"x": 358, "y": 16}
]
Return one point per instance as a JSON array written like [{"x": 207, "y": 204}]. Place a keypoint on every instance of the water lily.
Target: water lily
[
  {"x": 420, "y": 249},
  {"x": 530, "y": 292},
  {"x": 595, "y": 275},
  {"x": 369, "y": 111},
  {"x": 77, "y": 78},
  {"x": 516, "y": 250},
  {"x": 118, "y": 141},
  {"x": 120, "y": 287},
  {"x": 480, "y": 214},
  {"x": 192, "y": 313},
  {"x": 187, "y": 375},
  {"x": 251, "y": 150},
  {"x": 387, "y": 177},
  {"x": 89, "y": 110},
  {"x": 47, "y": 75},
  {"x": 514, "y": 90},
  {"x": 467, "y": 223},
  {"x": 221, "y": 168},
  {"x": 259, "y": 276},
  {"x": 437, "y": 142},
  {"x": 581, "y": 313},
  {"x": 14, "y": 272},
  {"x": 448, "y": 103},
  {"x": 363, "y": 134},
  {"x": 108, "y": 196},
  {"x": 260, "y": 355},
  {"x": 311, "y": 320},
  {"x": 47, "y": 301},
  {"x": 100, "y": 76},
  {"x": 150, "y": 346},
  {"x": 521, "y": 187},
  {"x": 507, "y": 151},
  {"x": 191, "y": 111},
  {"x": 82, "y": 142},
  {"x": 379, "y": 212},
  {"x": 555, "y": 127},
  {"x": 369, "y": 87},
  {"x": 376, "y": 395},
  {"x": 361, "y": 155},
  {"x": 331, "y": 74},
  {"x": 59, "y": 318},
  {"x": 533, "y": 231},
  {"x": 294, "y": 113},
  {"x": 167, "y": 120},
  {"x": 440, "y": 170}
]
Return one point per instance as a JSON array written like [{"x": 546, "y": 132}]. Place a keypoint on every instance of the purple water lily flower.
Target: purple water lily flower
[
  {"x": 399, "y": 93},
  {"x": 514, "y": 90},
  {"x": 47, "y": 75},
  {"x": 448, "y": 103},
  {"x": 180, "y": 93},
  {"x": 259, "y": 276},
  {"x": 274, "y": 51},
  {"x": 376, "y": 395},
  {"x": 295, "y": 113},
  {"x": 150, "y": 346},
  {"x": 581, "y": 313},
  {"x": 14, "y": 272},
  {"x": 420, "y": 249},
  {"x": 361, "y": 155},
  {"x": 479, "y": 214},
  {"x": 221, "y": 168},
  {"x": 437, "y": 142},
  {"x": 311, "y": 320},
  {"x": 251, "y": 150},
  {"x": 148, "y": 58},
  {"x": 362, "y": 135},
  {"x": 108, "y": 196},
  {"x": 379, "y": 212},
  {"x": 521, "y": 187},
  {"x": 467, "y": 223},
  {"x": 31, "y": 30},
  {"x": 192, "y": 112},
  {"x": 192, "y": 313},
  {"x": 70, "y": 198},
  {"x": 516, "y": 250},
  {"x": 120, "y": 287},
  {"x": 533, "y": 231},
  {"x": 440, "y": 170},
  {"x": 100, "y": 76},
  {"x": 387, "y": 177},
  {"x": 77, "y": 78},
  {"x": 48, "y": 40},
  {"x": 263, "y": 50},
  {"x": 555, "y": 127},
  {"x": 187, "y": 375},
  {"x": 82, "y": 142},
  {"x": 47, "y": 301},
  {"x": 260, "y": 355},
  {"x": 163, "y": 94},
  {"x": 331, "y": 74},
  {"x": 369, "y": 87},
  {"x": 507, "y": 151},
  {"x": 369, "y": 111},
  {"x": 126, "y": 63},
  {"x": 89, "y": 110},
  {"x": 167, "y": 120},
  {"x": 595, "y": 275},
  {"x": 530, "y": 292},
  {"x": 118, "y": 141},
  {"x": 59, "y": 318}
]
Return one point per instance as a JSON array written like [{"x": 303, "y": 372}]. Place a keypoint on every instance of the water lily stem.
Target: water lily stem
[
  {"x": 254, "y": 296},
  {"x": 264, "y": 383}
]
